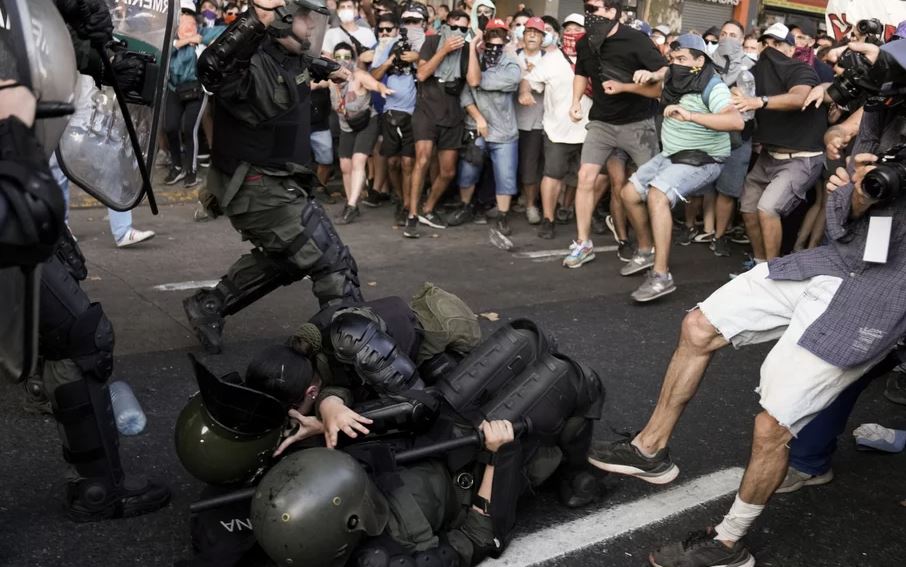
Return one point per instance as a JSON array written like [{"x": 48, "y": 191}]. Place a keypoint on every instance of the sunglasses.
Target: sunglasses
[
  {"x": 711, "y": 42},
  {"x": 343, "y": 57},
  {"x": 463, "y": 29},
  {"x": 410, "y": 21},
  {"x": 383, "y": 29},
  {"x": 232, "y": 13}
]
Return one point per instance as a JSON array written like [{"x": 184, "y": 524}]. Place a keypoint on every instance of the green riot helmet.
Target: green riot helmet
[
  {"x": 227, "y": 432},
  {"x": 315, "y": 15},
  {"x": 314, "y": 508}
]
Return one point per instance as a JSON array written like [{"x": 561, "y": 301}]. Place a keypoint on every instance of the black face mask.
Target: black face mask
[
  {"x": 683, "y": 80},
  {"x": 492, "y": 54},
  {"x": 598, "y": 27},
  {"x": 483, "y": 22}
]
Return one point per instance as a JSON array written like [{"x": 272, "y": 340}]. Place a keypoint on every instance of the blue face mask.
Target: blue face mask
[
  {"x": 549, "y": 39},
  {"x": 519, "y": 32}
]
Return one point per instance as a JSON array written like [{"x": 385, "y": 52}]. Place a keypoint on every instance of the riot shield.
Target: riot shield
[{"x": 96, "y": 151}]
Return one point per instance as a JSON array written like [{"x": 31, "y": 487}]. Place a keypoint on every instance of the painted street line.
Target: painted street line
[{"x": 600, "y": 527}]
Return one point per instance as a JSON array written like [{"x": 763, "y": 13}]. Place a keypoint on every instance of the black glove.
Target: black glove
[
  {"x": 89, "y": 18},
  {"x": 129, "y": 70}
]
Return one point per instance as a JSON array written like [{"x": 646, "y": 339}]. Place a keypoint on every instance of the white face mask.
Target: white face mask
[
  {"x": 752, "y": 56},
  {"x": 711, "y": 48},
  {"x": 549, "y": 39},
  {"x": 346, "y": 16}
]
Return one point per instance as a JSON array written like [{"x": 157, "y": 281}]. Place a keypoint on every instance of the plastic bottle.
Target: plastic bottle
[
  {"x": 130, "y": 419},
  {"x": 746, "y": 84}
]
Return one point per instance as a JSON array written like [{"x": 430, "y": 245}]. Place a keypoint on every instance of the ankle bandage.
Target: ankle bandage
[{"x": 737, "y": 521}]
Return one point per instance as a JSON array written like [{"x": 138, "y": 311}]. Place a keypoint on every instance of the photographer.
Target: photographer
[{"x": 836, "y": 310}]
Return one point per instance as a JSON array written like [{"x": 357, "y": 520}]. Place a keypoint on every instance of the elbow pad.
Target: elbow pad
[
  {"x": 232, "y": 50},
  {"x": 359, "y": 341}
]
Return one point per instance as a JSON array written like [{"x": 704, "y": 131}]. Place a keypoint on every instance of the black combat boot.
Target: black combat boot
[
  {"x": 204, "y": 310},
  {"x": 91, "y": 445}
]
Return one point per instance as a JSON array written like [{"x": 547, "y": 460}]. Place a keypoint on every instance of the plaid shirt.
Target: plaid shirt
[{"x": 867, "y": 315}]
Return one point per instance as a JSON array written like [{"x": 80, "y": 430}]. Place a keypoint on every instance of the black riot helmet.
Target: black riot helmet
[
  {"x": 317, "y": 15},
  {"x": 314, "y": 507}
]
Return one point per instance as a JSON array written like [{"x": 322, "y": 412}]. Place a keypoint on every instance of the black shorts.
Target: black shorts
[
  {"x": 361, "y": 142},
  {"x": 444, "y": 137},
  {"x": 396, "y": 127},
  {"x": 561, "y": 160},
  {"x": 531, "y": 156}
]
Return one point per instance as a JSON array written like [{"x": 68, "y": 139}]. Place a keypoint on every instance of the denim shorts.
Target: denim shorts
[
  {"x": 322, "y": 147},
  {"x": 677, "y": 181},
  {"x": 733, "y": 176},
  {"x": 504, "y": 160}
]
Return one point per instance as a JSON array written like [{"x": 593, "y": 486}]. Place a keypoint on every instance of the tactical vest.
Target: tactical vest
[{"x": 273, "y": 143}]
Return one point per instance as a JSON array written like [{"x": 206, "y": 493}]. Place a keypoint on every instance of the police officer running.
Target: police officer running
[{"x": 260, "y": 70}]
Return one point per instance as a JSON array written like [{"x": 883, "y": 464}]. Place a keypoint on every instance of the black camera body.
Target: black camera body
[
  {"x": 887, "y": 181},
  {"x": 402, "y": 45},
  {"x": 856, "y": 84},
  {"x": 872, "y": 30}
]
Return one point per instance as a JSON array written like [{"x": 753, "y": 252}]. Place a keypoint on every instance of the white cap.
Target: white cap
[
  {"x": 779, "y": 32},
  {"x": 575, "y": 19},
  {"x": 188, "y": 5},
  {"x": 662, "y": 29}
]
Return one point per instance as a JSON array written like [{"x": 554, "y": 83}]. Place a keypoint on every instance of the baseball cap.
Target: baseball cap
[
  {"x": 779, "y": 32},
  {"x": 414, "y": 10},
  {"x": 575, "y": 19},
  {"x": 662, "y": 29},
  {"x": 689, "y": 41},
  {"x": 642, "y": 26},
  {"x": 535, "y": 23},
  {"x": 188, "y": 5},
  {"x": 498, "y": 24}
]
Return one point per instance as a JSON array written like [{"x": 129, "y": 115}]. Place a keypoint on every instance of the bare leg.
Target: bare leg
[
  {"x": 447, "y": 160},
  {"x": 407, "y": 165},
  {"x": 395, "y": 177},
  {"x": 708, "y": 206},
  {"x": 616, "y": 168},
  {"x": 725, "y": 207},
  {"x": 661, "y": 228},
  {"x": 356, "y": 179},
  {"x": 768, "y": 463},
  {"x": 638, "y": 216},
  {"x": 531, "y": 194},
  {"x": 569, "y": 197},
  {"x": 423, "y": 151},
  {"x": 771, "y": 234},
  {"x": 550, "y": 192},
  {"x": 602, "y": 184},
  {"x": 585, "y": 199},
  {"x": 466, "y": 193},
  {"x": 753, "y": 229},
  {"x": 346, "y": 170},
  {"x": 693, "y": 207},
  {"x": 380, "y": 171},
  {"x": 820, "y": 222},
  {"x": 503, "y": 202},
  {"x": 698, "y": 340}
]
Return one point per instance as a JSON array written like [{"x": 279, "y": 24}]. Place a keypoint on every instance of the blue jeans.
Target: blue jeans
[
  {"x": 120, "y": 222},
  {"x": 812, "y": 450},
  {"x": 504, "y": 160}
]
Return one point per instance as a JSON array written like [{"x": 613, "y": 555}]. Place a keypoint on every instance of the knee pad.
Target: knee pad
[{"x": 86, "y": 338}]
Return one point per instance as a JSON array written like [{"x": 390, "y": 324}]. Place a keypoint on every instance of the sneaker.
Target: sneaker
[
  {"x": 721, "y": 246},
  {"x": 204, "y": 161},
  {"x": 176, "y": 174},
  {"x": 546, "y": 230},
  {"x": 622, "y": 457},
  {"x": 598, "y": 224},
  {"x": 503, "y": 224},
  {"x": 400, "y": 215},
  {"x": 700, "y": 549},
  {"x": 747, "y": 265},
  {"x": 703, "y": 238},
  {"x": 133, "y": 237},
  {"x": 460, "y": 215},
  {"x": 375, "y": 199},
  {"x": 579, "y": 253},
  {"x": 608, "y": 220},
  {"x": 655, "y": 285},
  {"x": 895, "y": 390},
  {"x": 625, "y": 250},
  {"x": 533, "y": 215},
  {"x": 499, "y": 239},
  {"x": 191, "y": 179},
  {"x": 686, "y": 235},
  {"x": 433, "y": 220},
  {"x": 349, "y": 214},
  {"x": 738, "y": 235},
  {"x": 479, "y": 216},
  {"x": 564, "y": 215},
  {"x": 796, "y": 479},
  {"x": 411, "y": 230},
  {"x": 639, "y": 262}
]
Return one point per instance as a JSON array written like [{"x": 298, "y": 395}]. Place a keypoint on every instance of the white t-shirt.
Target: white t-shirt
[
  {"x": 554, "y": 77},
  {"x": 337, "y": 35}
]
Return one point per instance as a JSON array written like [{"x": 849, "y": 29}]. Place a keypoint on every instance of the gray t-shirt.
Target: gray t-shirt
[{"x": 496, "y": 100}]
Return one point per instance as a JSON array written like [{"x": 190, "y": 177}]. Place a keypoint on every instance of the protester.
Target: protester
[
  {"x": 350, "y": 31},
  {"x": 529, "y": 115}
]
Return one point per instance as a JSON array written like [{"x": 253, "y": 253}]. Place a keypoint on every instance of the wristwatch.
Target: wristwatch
[{"x": 764, "y": 101}]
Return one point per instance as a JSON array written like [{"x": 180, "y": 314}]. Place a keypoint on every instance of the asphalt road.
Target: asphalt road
[{"x": 854, "y": 521}]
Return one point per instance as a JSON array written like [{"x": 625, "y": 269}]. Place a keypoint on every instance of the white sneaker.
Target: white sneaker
[
  {"x": 796, "y": 479},
  {"x": 133, "y": 237},
  {"x": 533, "y": 215}
]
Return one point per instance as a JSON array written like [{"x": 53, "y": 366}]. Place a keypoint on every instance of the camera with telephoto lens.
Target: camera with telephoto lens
[
  {"x": 871, "y": 29},
  {"x": 401, "y": 46},
  {"x": 886, "y": 182},
  {"x": 856, "y": 84}
]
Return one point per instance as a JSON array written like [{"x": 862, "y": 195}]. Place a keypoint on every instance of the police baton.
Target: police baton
[{"x": 475, "y": 439}]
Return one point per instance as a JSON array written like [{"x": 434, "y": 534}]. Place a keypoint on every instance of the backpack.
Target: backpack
[{"x": 706, "y": 94}]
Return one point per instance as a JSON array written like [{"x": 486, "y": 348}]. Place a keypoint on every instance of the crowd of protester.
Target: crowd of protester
[{"x": 704, "y": 137}]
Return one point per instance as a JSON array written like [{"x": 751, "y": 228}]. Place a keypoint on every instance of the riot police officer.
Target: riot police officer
[{"x": 259, "y": 70}]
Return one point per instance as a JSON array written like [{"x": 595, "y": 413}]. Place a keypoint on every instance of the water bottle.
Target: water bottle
[
  {"x": 746, "y": 84},
  {"x": 130, "y": 419}
]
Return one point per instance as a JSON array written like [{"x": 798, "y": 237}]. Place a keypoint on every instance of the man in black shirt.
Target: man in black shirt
[
  {"x": 438, "y": 117},
  {"x": 792, "y": 141},
  {"x": 622, "y": 113}
]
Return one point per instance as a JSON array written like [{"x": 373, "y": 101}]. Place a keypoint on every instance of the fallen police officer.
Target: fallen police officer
[{"x": 448, "y": 506}]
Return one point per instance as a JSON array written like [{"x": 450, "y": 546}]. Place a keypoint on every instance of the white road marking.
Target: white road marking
[
  {"x": 557, "y": 541},
  {"x": 182, "y": 286},
  {"x": 538, "y": 254}
]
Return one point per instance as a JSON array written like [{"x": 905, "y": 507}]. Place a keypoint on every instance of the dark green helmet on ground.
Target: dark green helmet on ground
[
  {"x": 227, "y": 432},
  {"x": 314, "y": 507}
]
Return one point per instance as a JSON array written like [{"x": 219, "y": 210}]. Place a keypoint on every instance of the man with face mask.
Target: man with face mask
[
  {"x": 611, "y": 57},
  {"x": 483, "y": 11},
  {"x": 259, "y": 70},
  {"x": 349, "y": 31},
  {"x": 792, "y": 140},
  {"x": 697, "y": 116}
]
